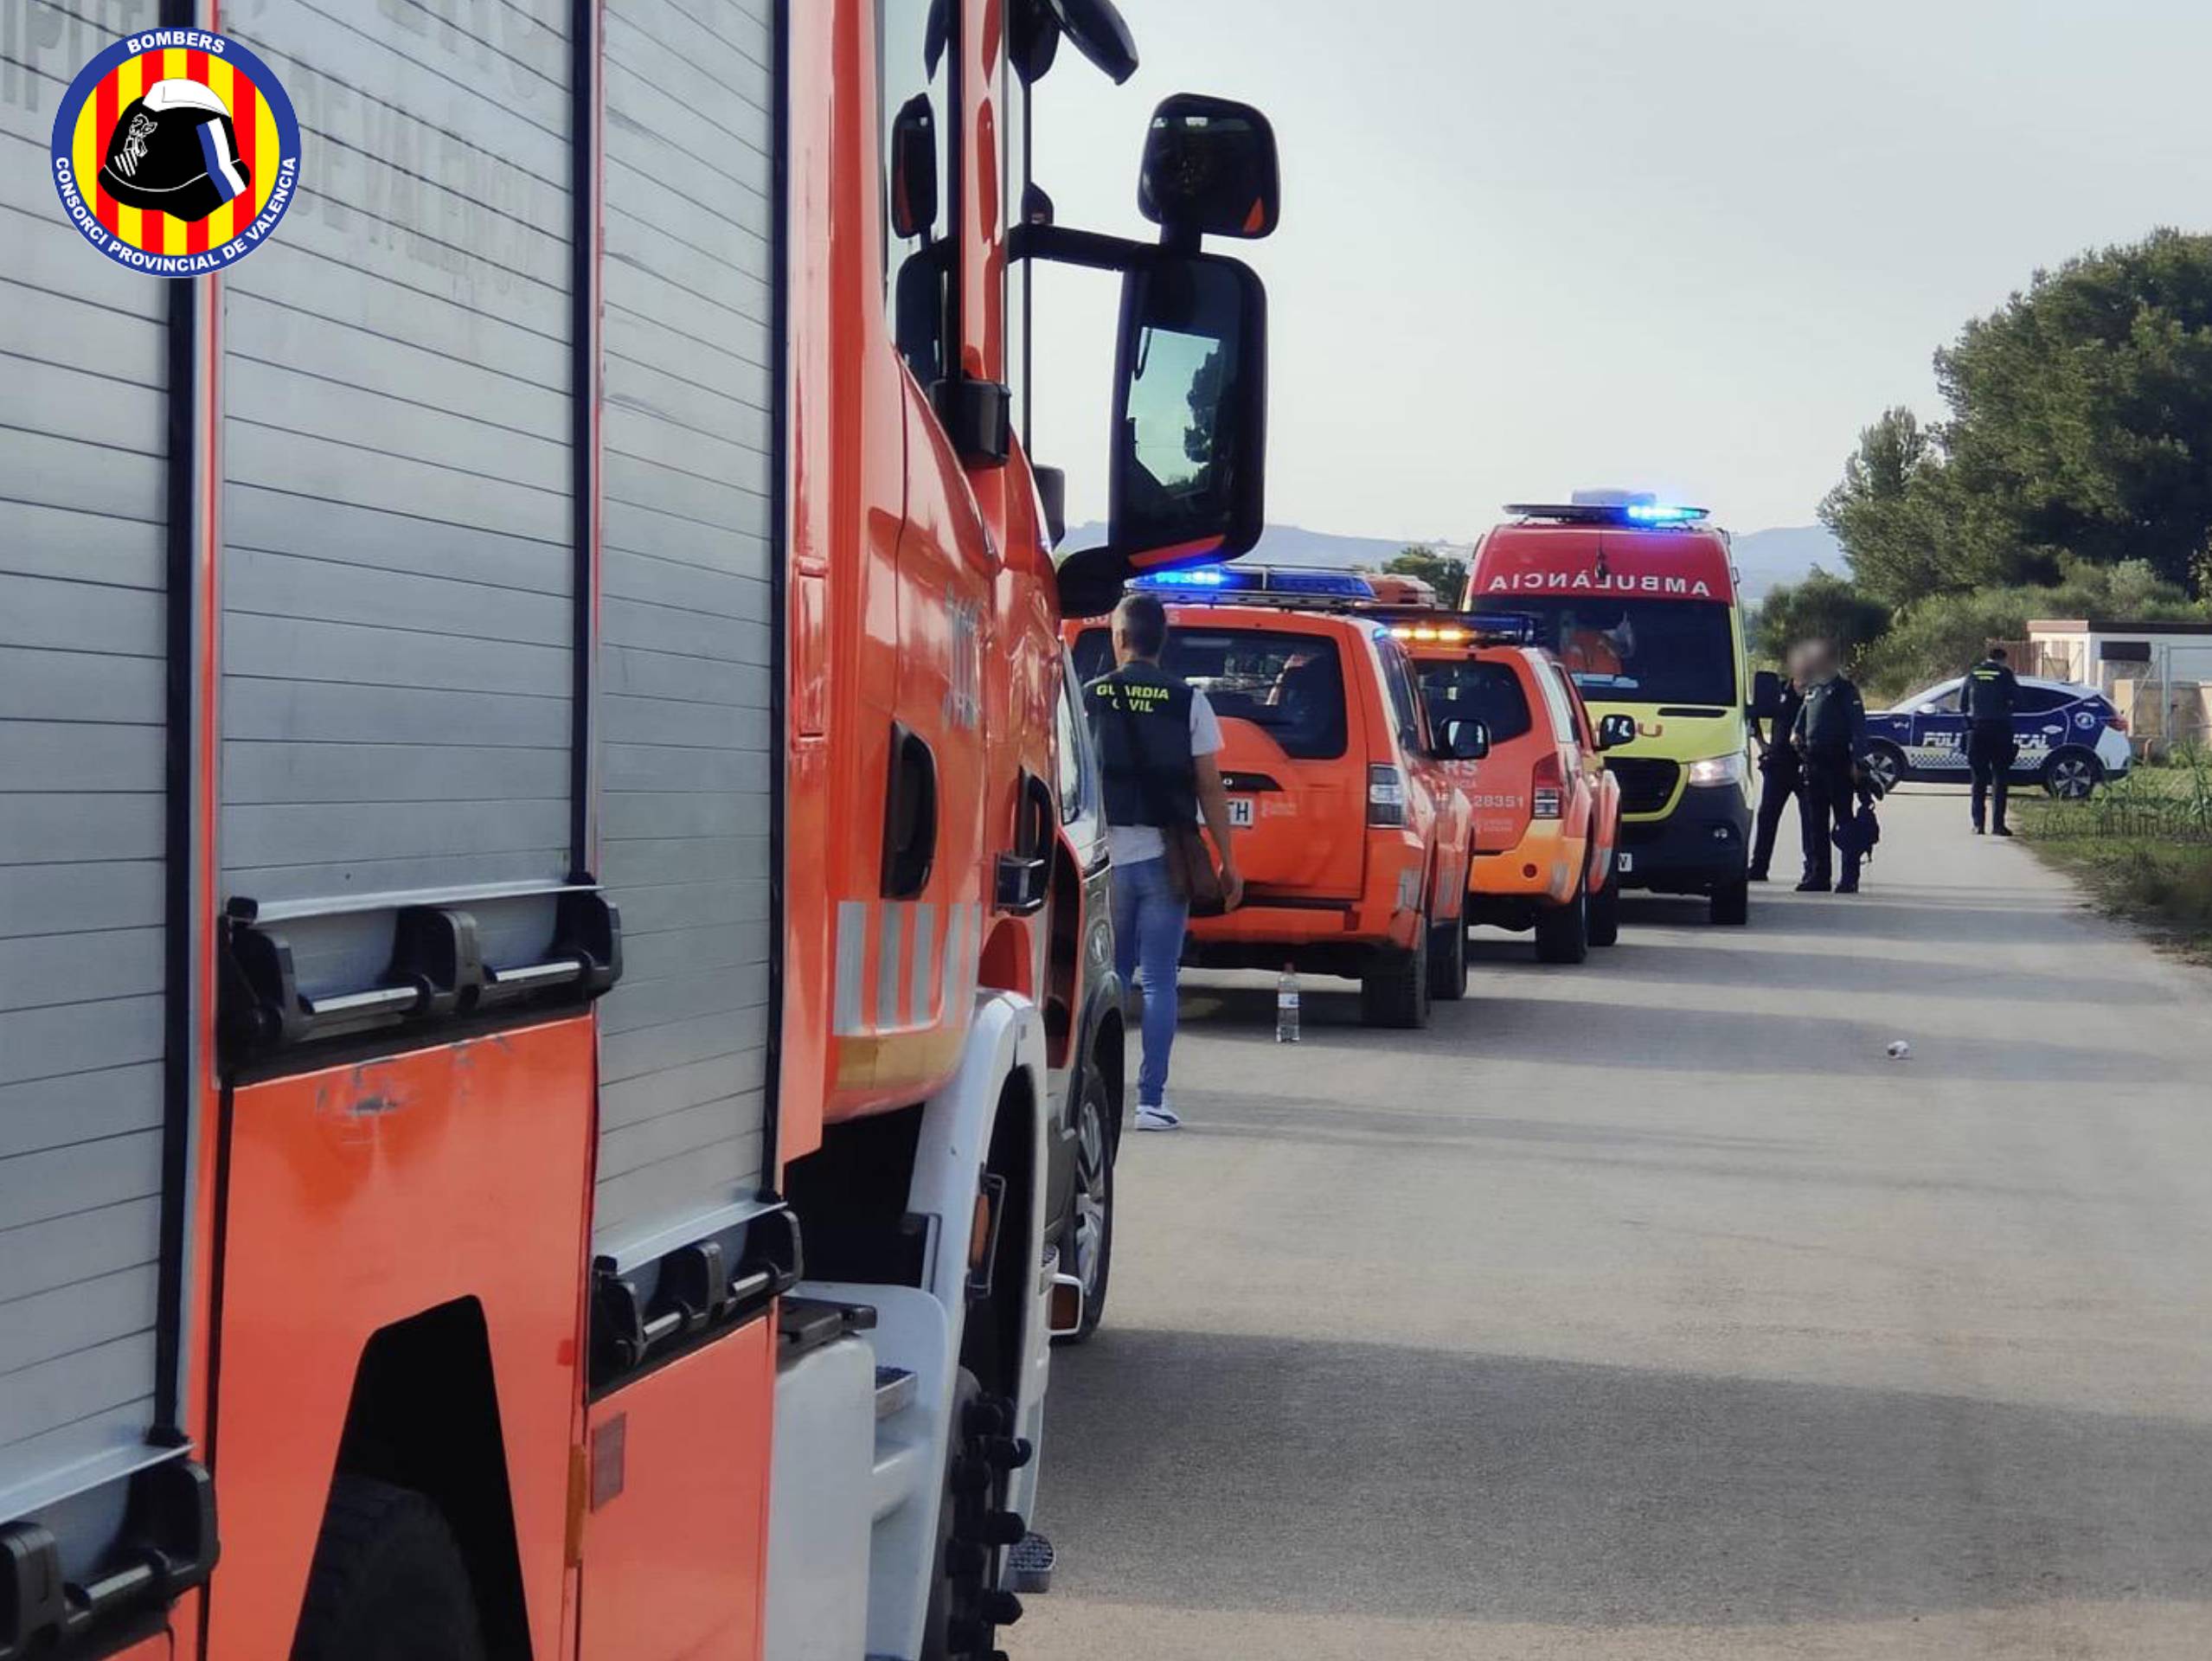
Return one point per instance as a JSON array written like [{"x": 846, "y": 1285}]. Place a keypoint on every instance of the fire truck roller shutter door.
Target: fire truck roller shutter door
[
  {"x": 84, "y": 499},
  {"x": 689, "y": 753},
  {"x": 398, "y": 510}
]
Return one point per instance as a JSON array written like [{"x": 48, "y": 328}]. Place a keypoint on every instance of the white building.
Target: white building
[
  {"x": 2099, "y": 651},
  {"x": 2158, "y": 675}
]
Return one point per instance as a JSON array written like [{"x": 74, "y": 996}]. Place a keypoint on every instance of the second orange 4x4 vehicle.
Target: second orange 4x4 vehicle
[
  {"x": 1352, "y": 833},
  {"x": 1546, "y": 811}
]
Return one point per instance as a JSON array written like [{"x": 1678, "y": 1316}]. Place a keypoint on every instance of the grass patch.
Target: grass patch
[{"x": 2143, "y": 849}]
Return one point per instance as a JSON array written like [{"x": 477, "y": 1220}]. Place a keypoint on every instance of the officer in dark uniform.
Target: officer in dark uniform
[
  {"x": 1831, "y": 732},
  {"x": 1780, "y": 775},
  {"x": 1157, "y": 741},
  {"x": 1988, "y": 699}
]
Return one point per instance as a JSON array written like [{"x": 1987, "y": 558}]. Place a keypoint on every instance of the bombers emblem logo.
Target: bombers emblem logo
[{"x": 176, "y": 152}]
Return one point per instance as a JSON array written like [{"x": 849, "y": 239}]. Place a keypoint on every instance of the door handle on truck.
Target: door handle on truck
[
  {"x": 435, "y": 974},
  {"x": 909, "y": 815},
  {"x": 1025, "y": 874}
]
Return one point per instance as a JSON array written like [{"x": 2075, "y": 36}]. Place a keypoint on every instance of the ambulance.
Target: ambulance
[{"x": 1638, "y": 599}]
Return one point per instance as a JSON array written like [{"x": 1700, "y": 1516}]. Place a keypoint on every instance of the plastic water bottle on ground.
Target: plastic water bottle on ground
[{"x": 1287, "y": 1007}]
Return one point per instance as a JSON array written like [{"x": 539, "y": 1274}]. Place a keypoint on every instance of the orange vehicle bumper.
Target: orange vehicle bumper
[
  {"x": 1546, "y": 865},
  {"x": 1273, "y": 925}
]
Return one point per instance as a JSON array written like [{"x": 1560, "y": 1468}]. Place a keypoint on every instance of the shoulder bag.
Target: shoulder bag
[{"x": 1192, "y": 873}]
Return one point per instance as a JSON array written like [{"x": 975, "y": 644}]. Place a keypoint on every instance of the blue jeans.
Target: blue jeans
[{"x": 1148, "y": 925}]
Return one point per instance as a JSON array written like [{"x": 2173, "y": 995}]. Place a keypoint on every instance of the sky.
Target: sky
[{"x": 1691, "y": 247}]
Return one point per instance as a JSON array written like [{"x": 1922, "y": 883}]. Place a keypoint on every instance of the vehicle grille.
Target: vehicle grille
[{"x": 1646, "y": 783}]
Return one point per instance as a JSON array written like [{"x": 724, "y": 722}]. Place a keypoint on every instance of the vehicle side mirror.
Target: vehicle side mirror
[
  {"x": 1765, "y": 694},
  {"x": 1187, "y": 482},
  {"x": 1927, "y": 709},
  {"x": 1209, "y": 170},
  {"x": 1615, "y": 730},
  {"x": 1092, "y": 582},
  {"x": 914, "y": 168},
  {"x": 1051, "y": 496},
  {"x": 1094, "y": 28},
  {"x": 1462, "y": 740}
]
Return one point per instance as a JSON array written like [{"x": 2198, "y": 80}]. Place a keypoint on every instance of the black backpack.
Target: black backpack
[{"x": 1858, "y": 834}]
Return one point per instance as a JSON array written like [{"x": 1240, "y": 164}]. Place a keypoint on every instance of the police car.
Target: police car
[{"x": 2071, "y": 739}]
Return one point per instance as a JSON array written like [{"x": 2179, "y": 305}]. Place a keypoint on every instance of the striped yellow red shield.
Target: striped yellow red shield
[{"x": 258, "y": 147}]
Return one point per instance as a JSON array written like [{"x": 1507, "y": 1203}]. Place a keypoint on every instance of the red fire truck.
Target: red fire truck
[{"x": 535, "y": 940}]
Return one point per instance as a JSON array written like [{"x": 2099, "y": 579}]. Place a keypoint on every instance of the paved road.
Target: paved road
[{"x": 1646, "y": 1309}]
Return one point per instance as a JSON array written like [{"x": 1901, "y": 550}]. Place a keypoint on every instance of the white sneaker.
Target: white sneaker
[{"x": 1162, "y": 1118}]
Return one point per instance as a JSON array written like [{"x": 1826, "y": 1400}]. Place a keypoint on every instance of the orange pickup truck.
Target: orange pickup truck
[
  {"x": 1352, "y": 831},
  {"x": 1547, "y": 812}
]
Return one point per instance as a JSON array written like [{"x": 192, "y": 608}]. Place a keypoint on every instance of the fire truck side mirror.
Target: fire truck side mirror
[
  {"x": 914, "y": 168},
  {"x": 1051, "y": 498},
  {"x": 1186, "y": 483},
  {"x": 1094, "y": 28},
  {"x": 1209, "y": 170}
]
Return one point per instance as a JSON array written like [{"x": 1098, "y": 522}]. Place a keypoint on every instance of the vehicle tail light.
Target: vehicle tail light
[
  {"x": 2117, "y": 722},
  {"x": 1546, "y": 788},
  {"x": 1386, "y": 796}
]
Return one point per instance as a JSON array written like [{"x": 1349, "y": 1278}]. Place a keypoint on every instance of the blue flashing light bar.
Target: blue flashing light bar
[
  {"x": 1516, "y": 626},
  {"x": 1310, "y": 582},
  {"x": 1641, "y": 514}
]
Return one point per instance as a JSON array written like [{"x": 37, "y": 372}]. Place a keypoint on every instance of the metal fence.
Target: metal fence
[{"x": 2167, "y": 804}]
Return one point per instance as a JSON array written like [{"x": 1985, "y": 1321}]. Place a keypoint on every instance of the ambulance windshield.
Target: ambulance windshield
[{"x": 1640, "y": 651}]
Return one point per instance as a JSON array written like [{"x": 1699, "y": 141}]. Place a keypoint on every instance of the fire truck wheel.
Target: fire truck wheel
[
  {"x": 1605, "y": 913},
  {"x": 1394, "y": 990},
  {"x": 967, "y": 1606},
  {"x": 1563, "y": 931},
  {"x": 1089, "y": 1253},
  {"x": 388, "y": 1583},
  {"x": 1447, "y": 961}
]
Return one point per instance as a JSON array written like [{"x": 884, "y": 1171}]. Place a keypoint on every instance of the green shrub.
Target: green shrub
[{"x": 1938, "y": 637}]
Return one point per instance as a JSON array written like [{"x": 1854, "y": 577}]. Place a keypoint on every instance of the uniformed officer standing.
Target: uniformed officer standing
[
  {"x": 1780, "y": 773},
  {"x": 1157, "y": 739},
  {"x": 1988, "y": 700},
  {"x": 1830, "y": 733}
]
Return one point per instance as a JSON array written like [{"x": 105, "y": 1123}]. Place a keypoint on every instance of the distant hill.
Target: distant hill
[
  {"x": 1764, "y": 557},
  {"x": 1295, "y": 545}
]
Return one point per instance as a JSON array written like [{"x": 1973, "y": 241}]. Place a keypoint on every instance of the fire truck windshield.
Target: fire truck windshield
[{"x": 1640, "y": 651}]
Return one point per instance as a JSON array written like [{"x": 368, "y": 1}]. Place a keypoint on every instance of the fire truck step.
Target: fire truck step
[
  {"x": 894, "y": 1391},
  {"x": 1028, "y": 1565}
]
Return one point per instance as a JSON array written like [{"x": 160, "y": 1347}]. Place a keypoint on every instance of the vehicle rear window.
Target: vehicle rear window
[
  {"x": 2042, "y": 700},
  {"x": 1575, "y": 717},
  {"x": 1292, "y": 685},
  {"x": 1472, "y": 691},
  {"x": 1561, "y": 706},
  {"x": 1398, "y": 679}
]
